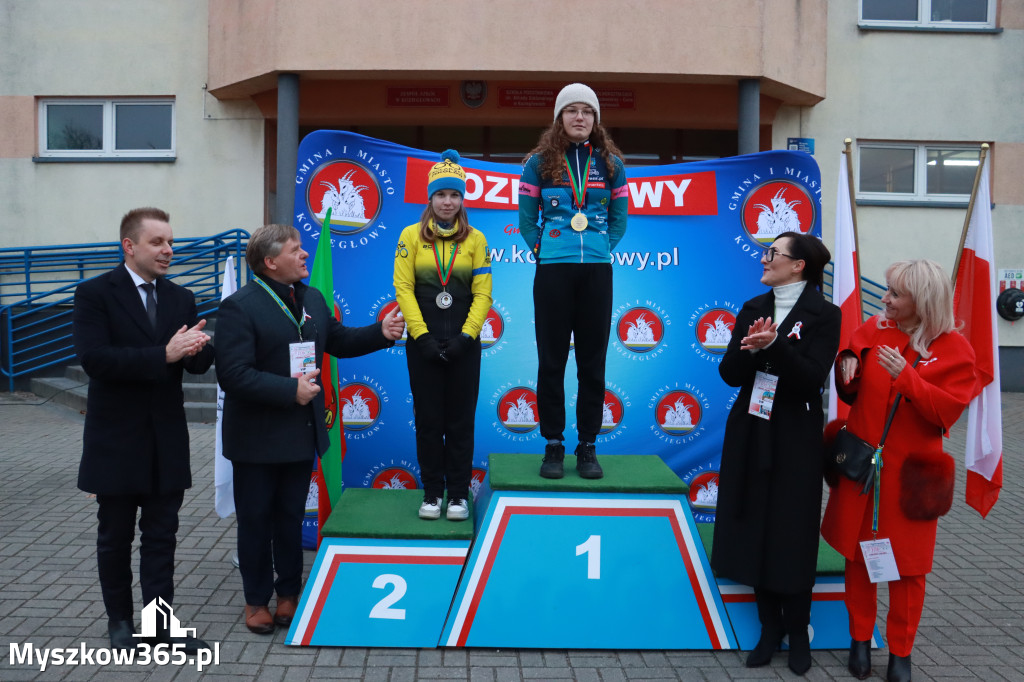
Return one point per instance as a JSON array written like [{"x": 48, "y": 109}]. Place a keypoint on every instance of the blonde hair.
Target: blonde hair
[{"x": 930, "y": 288}]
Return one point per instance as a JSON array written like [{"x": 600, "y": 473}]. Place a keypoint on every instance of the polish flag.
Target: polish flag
[
  {"x": 973, "y": 304},
  {"x": 223, "y": 485},
  {"x": 845, "y": 293}
]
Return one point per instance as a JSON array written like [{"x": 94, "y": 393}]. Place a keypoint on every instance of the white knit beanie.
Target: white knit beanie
[{"x": 577, "y": 92}]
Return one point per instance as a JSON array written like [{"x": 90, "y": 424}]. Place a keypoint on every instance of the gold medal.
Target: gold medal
[
  {"x": 444, "y": 300},
  {"x": 579, "y": 222}
]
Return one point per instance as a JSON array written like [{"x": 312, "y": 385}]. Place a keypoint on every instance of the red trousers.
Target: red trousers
[{"x": 906, "y": 602}]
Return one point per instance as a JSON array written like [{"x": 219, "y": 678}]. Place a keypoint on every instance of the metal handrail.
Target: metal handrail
[
  {"x": 871, "y": 292},
  {"x": 35, "y": 329}
]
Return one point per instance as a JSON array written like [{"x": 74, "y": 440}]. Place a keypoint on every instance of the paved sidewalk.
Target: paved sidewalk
[{"x": 49, "y": 594}]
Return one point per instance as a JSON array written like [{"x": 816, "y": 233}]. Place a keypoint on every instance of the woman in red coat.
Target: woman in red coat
[{"x": 916, "y": 481}]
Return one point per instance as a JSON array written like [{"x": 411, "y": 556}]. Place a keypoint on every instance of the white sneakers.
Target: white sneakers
[
  {"x": 431, "y": 508},
  {"x": 458, "y": 510}
]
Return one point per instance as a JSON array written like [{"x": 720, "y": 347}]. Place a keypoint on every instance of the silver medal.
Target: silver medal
[{"x": 444, "y": 300}]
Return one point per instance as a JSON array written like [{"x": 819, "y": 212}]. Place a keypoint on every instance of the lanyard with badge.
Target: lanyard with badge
[
  {"x": 579, "y": 188},
  {"x": 444, "y": 273},
  {"x": 301, "y": 355},
  {"x": 762, "y": 396},
  {"x": 878, "y": 555}
]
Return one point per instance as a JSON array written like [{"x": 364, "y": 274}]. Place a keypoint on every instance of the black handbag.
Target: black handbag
[{"x": 854, "y": 457}]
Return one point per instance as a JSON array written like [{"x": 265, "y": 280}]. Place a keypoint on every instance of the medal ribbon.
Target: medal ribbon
[
  {"x": 281, "y": 304},
  {"x": 444, "y": 273},
  {"x": 579, "y": 192}
]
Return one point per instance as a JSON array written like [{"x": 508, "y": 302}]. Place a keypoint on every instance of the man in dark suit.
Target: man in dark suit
[
  {"x": 270, "y": 336},
  {"x": 134, "y": 333}
]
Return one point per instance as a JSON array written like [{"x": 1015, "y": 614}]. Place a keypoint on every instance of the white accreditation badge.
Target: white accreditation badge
[
  {"x": 763, "y": 395},
  {"x": 302, "y": 357},
  {"x": 880, "y": 561}
]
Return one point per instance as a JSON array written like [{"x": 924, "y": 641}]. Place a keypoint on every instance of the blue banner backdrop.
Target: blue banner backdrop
[{"x": 690, "y": 258}]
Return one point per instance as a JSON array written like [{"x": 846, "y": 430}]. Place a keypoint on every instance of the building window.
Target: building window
[
  {"x": 935, "y": 14},
  {"x": 916, "y": 172},
  {"x": 106, "y": 128}
]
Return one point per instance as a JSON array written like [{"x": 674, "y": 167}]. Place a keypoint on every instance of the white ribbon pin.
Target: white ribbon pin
[{"x": 796, "y": 330}]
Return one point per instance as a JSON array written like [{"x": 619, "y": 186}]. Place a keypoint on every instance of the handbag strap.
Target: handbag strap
[
  {"x": 892, "y": 412},
  {"x": 878, "y": 456}
]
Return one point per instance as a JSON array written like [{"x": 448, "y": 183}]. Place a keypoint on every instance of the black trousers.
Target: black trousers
[
  {"x": 444, "y": 397},
  {"x": 158, "y": 527},
  {"x": 270, "y": 503},
  {"x": 572, "y": 299}
]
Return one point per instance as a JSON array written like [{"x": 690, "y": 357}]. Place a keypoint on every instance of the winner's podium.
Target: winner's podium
[
  {"x": 382, "y": 577},
  {"x": 614, "y": 563}
]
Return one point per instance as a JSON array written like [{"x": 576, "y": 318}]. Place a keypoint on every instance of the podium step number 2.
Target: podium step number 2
[
  {"x": 367, "y": 592},
  {"x": 572, "y": 570}
]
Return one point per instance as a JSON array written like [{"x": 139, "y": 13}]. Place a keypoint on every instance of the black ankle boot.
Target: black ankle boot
[
  {"x": 769, "y": 613},
  {"x": 899, "y": 668},
  {"x": 762, "y": 653},
  {"x": 799, "y": 652},
  {"x": 860, "y": 659}
]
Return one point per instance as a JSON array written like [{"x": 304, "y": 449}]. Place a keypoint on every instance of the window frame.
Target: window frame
[
  {"x": 109, "y": 130},
  {"x": 920, "y": 195},
  {"x": 924, "y": 23}
]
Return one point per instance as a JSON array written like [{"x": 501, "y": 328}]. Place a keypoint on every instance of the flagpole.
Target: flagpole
[
  {"x": 970, "y": 210},
  {"x": 853, "y": 217}
]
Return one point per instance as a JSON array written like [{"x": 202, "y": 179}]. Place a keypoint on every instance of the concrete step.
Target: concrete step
[
  {"x": 201, "y": 413},
  {"x": 62, "y": 391},
  {"x": 199, "y": 392},
  {"x": 72, "y": 390},
  {"x": 76, "y": 373}
]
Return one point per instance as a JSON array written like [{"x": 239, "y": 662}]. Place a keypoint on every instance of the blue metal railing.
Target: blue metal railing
[
  {"x": 871, "y": 292},
  {"x": 37, "y": 287}
]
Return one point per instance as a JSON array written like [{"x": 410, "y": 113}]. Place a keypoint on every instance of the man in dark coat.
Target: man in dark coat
[
  {"x": 134, "y": 333},
  {"x": 270, "y": 335}
]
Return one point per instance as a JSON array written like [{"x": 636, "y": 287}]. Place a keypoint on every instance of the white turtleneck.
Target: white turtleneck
[{"x": 785, "y": 298}]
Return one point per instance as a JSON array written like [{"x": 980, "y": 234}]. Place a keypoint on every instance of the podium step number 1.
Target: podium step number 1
[{"x": 571, "y": 570}]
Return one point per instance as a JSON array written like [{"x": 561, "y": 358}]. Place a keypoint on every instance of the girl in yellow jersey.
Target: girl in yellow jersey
[{"x": 443, "y": 287}]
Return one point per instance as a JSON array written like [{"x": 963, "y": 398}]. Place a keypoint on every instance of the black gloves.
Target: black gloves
[
  {"x": 457, "y": 345},
  {"x": 430, "y": 349}
]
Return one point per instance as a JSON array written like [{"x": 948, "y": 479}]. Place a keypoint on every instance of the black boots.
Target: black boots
[
  {"x": 799, "y": 651},
  {"x": 796, "y": 613},
  {"x": 122, "y": 634},
  {"x": 899, "y": 668},
  {"x": 552, "y": 466},
  {"x": 766, "y": 647},
  {"x": 860, "y": 659},
  {"x": 769, "y": 612},
  {"x": 586, "y": 461},
  {"x": 779, "y": 615}
]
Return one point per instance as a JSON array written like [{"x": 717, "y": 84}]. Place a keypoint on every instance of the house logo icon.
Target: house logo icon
[{"x": 159, "y": 616}]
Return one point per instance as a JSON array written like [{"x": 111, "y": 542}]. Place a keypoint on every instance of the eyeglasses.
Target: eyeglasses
[
  {"x": 771, "y": 252},
  {"x": 573, "y": 112}
]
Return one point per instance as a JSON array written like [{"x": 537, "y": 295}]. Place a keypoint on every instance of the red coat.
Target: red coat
[{"x": 934, "y": 395}]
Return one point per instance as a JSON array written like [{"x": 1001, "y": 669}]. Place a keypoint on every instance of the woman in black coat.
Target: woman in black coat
[{"x": 770, "y": 482}]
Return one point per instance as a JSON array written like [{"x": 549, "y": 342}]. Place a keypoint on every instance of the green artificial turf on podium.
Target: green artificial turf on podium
[
  {"x": 391, "y": 514},
  {"x": 830, "y": 562},
  {"x": 622, "y": 474}
]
